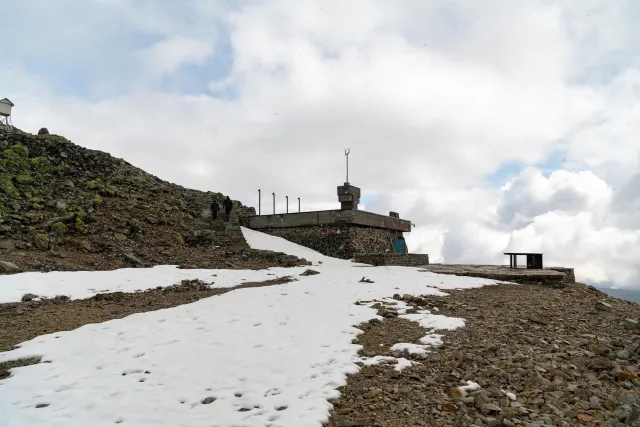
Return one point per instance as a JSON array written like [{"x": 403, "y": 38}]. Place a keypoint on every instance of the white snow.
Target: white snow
[
  {"x": 471, "y": 386},
  {"x": 258, "y": 240},
  {"x": 270, "y": 356},
  {"x": 510, "y": 395},
  {"x": 84, "y": 284},
  {"x": 409, "y": 347},
  {"x": 402, "y": 364}
]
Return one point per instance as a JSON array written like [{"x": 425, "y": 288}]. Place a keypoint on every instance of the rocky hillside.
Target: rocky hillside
[{"x": 65, "y": 207}]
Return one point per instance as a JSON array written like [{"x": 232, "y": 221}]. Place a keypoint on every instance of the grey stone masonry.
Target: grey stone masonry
[
  {"x": 349, "y": 197},
  {"x": 569, "y": 275},
  {"x": 407, "y": 260}
]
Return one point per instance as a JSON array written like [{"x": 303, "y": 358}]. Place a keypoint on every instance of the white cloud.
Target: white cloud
[
  {"x": 531, "y": 194},
  {"x": 168, "y": 55},
  {"x": 431, "y": 97}
]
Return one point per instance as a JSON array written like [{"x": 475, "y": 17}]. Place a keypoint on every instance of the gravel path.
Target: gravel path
[{"x": 541, "y": 356}]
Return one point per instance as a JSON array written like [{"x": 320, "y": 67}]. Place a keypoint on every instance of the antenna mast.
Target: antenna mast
[{"x": 346, "y": 155}]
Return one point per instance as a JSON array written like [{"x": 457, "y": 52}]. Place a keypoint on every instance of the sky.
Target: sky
[{"x": 493, "y": 126}]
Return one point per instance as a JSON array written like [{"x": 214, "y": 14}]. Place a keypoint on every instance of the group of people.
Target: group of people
[{"x": 227, "y": 204}]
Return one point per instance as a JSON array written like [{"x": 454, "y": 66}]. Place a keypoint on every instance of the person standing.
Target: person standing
[
  {"x": 228, "y": 205},
  {"x": 214, "y": 210}
]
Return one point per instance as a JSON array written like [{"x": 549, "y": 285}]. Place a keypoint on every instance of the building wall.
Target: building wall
[
  {"x": 407, "y": 260},
  {"x": 340, "y": 241}
]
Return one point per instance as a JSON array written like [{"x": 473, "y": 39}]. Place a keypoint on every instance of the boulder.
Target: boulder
[{"x": 8, "y": 267}]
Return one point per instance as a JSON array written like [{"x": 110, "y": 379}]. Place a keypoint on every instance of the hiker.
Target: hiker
[
  {"x": 228, "y": 205},
  {"x": 214, "y": 210}
]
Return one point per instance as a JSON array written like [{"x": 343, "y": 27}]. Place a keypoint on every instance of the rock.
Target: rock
[
  {"x": 133, "y": 259},
  {"x": 599, "y": 364},
  {"x": 365, "y": 280},
  {"x": 627, "y": 399},
  {"x": 633, "y": 416},
  {"x": 603, "y": 306},
  {"x": 309, "y": 272},
  {"x": 41, "y": 241},
  {"x": 450, "y": 407},
  {"x": 61, "y": 298},
  {"x": 208, "y": 400},
  {"x": 489, "y": 408},
  {"x": 538, "y": 319},
  {"x": 622, "y": 354},
  {"x": 456, "y": 393},
  {"x": 631, "y": 324},
  {"x": 119, "y": 237},
  {"x": 29, "y": 297},
  {"x": 594, "y": 402},
  {"x": 8, "y": 267}
]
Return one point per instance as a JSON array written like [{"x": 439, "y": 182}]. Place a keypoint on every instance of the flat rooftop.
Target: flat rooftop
[{"x": 331, "y": 217}]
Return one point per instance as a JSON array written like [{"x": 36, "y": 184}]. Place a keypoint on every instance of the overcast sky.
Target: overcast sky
[{"x": 493, "y": 125}]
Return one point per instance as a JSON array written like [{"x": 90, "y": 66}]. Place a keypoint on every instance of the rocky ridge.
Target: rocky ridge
[{"x": 65, "y": 207}]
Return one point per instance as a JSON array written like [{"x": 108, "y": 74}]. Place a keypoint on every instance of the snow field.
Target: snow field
[{"x": 268, "y": 356}]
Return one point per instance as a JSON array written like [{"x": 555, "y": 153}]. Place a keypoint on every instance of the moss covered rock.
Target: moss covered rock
[
  {"x": 94, "y": 184},
  {"x": 109, "y": 191},
  {"x": 58, "y": 228},
  {"x": 7, "y": 187},
  {"x": 80, "y": 226},
  {"x": 41, "y": 241},
  {"x": 24, "y": 178},
  {"x": 15, "y": 158}
]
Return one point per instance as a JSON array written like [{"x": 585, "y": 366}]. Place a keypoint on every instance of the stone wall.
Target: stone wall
[
  {"x": 340, "y": 241},
  {"x": 407, "y": 260},
  {"x": 569, "y": 275}
]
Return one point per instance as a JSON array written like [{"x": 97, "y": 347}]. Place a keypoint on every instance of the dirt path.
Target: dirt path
[
  {"x": 23, "y": 321},
  {"x": 566, "y": 361}
]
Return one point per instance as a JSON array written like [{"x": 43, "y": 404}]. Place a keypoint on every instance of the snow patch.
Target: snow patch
[{"x": 252, "y": 357}]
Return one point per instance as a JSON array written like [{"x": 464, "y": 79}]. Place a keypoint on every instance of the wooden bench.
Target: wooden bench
[{"x": 534, "y": 260}]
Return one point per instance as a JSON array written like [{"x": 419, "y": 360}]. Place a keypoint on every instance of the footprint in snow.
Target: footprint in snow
[{"x": 272, "y": 392}]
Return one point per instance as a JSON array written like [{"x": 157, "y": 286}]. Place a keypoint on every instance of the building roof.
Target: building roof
[{"x": 6, "y": 101}]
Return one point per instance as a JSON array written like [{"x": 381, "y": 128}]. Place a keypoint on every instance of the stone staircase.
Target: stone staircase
[{"x": 228, "y": 235}]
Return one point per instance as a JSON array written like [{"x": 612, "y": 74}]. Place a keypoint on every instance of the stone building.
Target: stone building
[{"x": 346, "y": 232}]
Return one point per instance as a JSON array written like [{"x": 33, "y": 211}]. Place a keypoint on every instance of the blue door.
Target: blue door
[{"x": 399, "y": 246}]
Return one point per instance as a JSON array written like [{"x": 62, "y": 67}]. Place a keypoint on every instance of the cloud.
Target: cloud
[
  {"x": 168, "y": 55},
  {"x": 531, "y": 194},
  {"x": 433, "y": 99}
]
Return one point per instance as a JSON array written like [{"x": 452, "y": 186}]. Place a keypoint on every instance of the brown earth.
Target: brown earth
[
  {"x": 568, "y": 359},
  {"x": 23, "y": 321}
]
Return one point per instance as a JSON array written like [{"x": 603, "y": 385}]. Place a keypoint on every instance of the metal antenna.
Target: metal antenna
[{"x": 346, "y": 154}]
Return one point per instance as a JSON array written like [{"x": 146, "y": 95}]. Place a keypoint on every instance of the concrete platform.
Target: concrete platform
[
  {"x": 330, "y": 217},
  {"x": 550, "y": 276}
]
